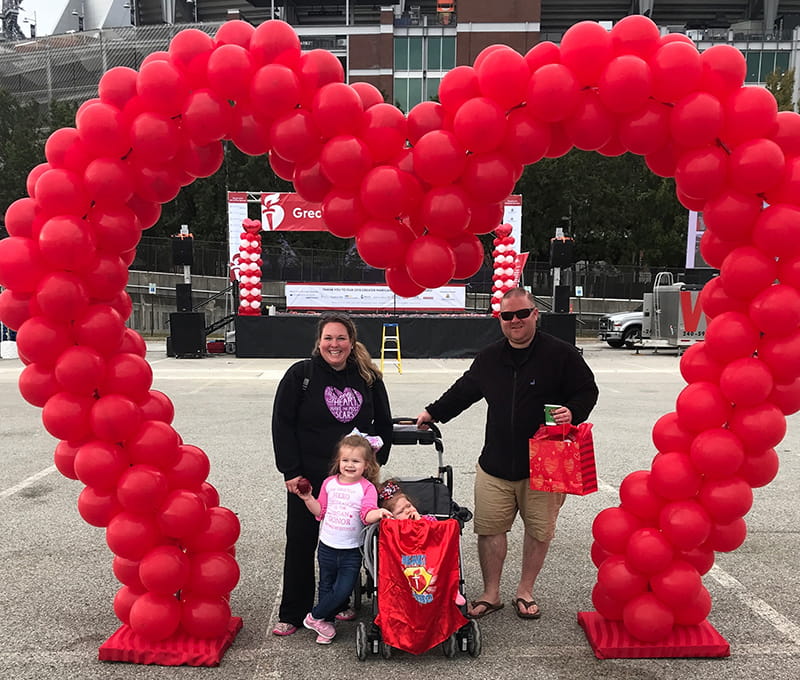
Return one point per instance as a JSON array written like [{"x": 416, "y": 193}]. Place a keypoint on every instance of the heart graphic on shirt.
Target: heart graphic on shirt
[{"x": 344, "y": 404}]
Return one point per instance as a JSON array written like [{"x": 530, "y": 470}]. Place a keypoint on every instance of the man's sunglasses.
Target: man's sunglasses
[{"x": 519, "y": 313}]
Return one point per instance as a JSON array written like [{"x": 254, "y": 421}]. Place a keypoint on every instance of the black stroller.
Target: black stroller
[{"x": 432, "y": 496}]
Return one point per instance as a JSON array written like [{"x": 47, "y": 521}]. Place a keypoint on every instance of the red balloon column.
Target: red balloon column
[
  {"x": 414, "y": 191},
  {"x": 505, "y": 258},
  {"x": 250, "y": 263}
]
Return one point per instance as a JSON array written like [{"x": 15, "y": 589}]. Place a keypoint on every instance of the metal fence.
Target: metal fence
[{"x": 597, "y": 279}]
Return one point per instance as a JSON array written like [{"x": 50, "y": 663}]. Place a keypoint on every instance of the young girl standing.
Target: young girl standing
[{"x": 347, "y": 501}]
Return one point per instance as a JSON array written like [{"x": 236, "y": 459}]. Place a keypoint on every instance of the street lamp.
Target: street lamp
[
  {"x": 193, "y": 3},
  {"x": 78, "y": 14},
  {"x": 29, "y": 21},
  {"x": 134, "y": 12}
]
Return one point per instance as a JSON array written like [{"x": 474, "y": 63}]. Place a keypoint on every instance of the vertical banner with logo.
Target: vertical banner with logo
[
  {"x": 512, "y": 214},
  {"x": 519, "y": 265}
]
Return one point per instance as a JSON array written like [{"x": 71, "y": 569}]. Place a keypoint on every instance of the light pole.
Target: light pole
[
  {"x": 193, "y": 3},
  {"x": 134, "y": 12},
  {"x": 80, "y": 16},
  {"x": 29, "y": 21}
]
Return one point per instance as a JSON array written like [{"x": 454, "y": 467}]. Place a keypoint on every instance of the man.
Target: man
[{"x": 516, "y": 376}]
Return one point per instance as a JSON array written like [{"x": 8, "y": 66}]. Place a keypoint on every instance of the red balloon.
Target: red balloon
[
  {"x": 717, "y": 453},
  {"x": 697, "y": 366},
  {"x": 212, "y": 574},
  {"x": 439, "y": 158},
  {"x": 190, "y": 470},
  {"x": 155, "y": 616},
  {"x": 724, "y": 69},
  {"x": 635, "y": 34},
  {"x": 713, "y": 249},
  {"x": 423, "y": 118},
  {"x": 560, "y": 143},
  {"x": 730, "y": 336},
  {"x": 542, "y": 53},
  {"x": 209, "y": 495},
  {"x": 147, "y": 212},
  {"x": 278, "y": 85},
  {"x": 115, "y": 418},
  {"x": 247, "y": 132},
  {"x": 638, "y": 498},
  {"x": 154, "y": 443},
  {"x": 157, "y": 406},
  {"x": 776, "y": 310},
  {"x": 468, "y": 252},
  {"x": 732, "y": 215},
  {"x": 21, "y": 264},
  {"x": 369, "y": 94},
  {"x": 41, "y": 340},
  {"x": 430, "y": 261},
  {"x": 646, "y": 130},
  {"x": 141, "y": 489},
  {"x": 345, "y": 160},
  {"x": 20, "y": 218},
  {"x": 648, "y": 550},
  {"x": 619, "y": 581},
  {"x": 337, "y": 110},
  {"x": 669, "y": 435},
  {"x": 696, "y": 120},
  {"x": 598, "y": 554},
  {"x": 672, "y": 476},
  {"x": 586, "y": 49},
  {"x": 676, "y": 71},
  {"x": 123, "y": 601},
  {"x": 612, "y": 528},
  {"x": 316, "y": 69},
  {"x": 384, "y": 131},
  {"x": 205, "y": 617},
  {"x": 388, "y": 192},
  {"x": 164, "y": 569},
  {"x": 626, "y": 84},
  {"x": 155, "y": 139},
  {"x": 14, "y": 308},
  {"x": 591, "y": 125},
  {"x": 65, "y": 149},
  {"x": 759, "y": 469},
  {"x": 489, "y": 177},
  {"x": 756, "y": 165},
  {"x": 553, "y": 93},
  {"x": 458, "y": 86},
  {"x": 480, "y": 124},
  {"x": 37, "y": 384},
  {"x": 502, "y": 76},
  {"x": 343, "y": 212},
  {"x": 607, "y": 606},
  {"x": 775, "y": 235},
  {"x": 702, "y": 173},
  {"x": 100, "y": 327},
  {"x": 726, "y": 499},
  {"x": 102, "y": 130},
  {"x": 400, "y": 282},
  {"x": 67, "y": 241},
  {"x": 310, "y": 182},
  {"x": 230, "y": 71},
  {"x": 117, "y": 86},
  {"x": 786, "y": 396},
  {"x": 715, "y": 301},
  {"x": 701, "y": 558},
  {"x": 129, "y": 375},
  {"x": 127, "y": 573},
  {"x": 295, "y": 137},
  {"x": 183, "y": 513},
  {"x": 679, "y": 582},
  {"x": 383, "y": 244},
  {"x": 702, "y": 405},
  {"x": 66, "y": 416},
  {"x": 115, "y": 227},
  {"x": 728, "y": 537},
  {"x": 445, "y": 211},
  {"x": 221, "y": 532},
  {"x": 98, "y": 508},
  {"x": 685, "y": 524},
  {"x": 750, "y": 112},
  {"x": 759, "y": 427},
  {"x": 746, "y": 381},
  {"x": 64, "y": 459},
  {"x": 275, "y": 41},
  {"x": 695, "y": 611},
  {"x": 484, "y": 217},
  {"x": 99, "y": 464}
]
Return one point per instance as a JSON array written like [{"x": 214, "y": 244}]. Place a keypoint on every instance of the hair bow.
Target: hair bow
[
  {"x": 388, "y": 490},
  {"x": 374, "y": 441}
]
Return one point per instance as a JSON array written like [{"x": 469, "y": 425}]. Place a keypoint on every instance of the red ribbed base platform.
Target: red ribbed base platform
[
  {"x": 177, "y": 650},
  {"x": 610, "y": 640}
]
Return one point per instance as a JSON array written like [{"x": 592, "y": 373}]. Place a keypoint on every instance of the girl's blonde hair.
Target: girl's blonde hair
[
  {"x": 356, "y": 441},
  {"x": 360, "y": 355}
]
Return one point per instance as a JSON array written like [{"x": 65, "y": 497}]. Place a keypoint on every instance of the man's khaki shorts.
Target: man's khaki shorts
[{"x": 497, "y": 502}]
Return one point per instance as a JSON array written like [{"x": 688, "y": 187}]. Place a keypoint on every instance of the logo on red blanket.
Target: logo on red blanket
[{"x": 418, "y": 577}]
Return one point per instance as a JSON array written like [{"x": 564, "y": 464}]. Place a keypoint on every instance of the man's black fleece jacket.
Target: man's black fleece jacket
[
  {"x": 552, "y": 372},
  {"x": 307, "y": 424}
]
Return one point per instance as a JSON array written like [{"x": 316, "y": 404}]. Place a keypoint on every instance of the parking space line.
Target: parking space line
[{"x": 27, "y": 482}]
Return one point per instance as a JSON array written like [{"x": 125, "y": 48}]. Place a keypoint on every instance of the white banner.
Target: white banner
[{"x": 377, "y": 297}]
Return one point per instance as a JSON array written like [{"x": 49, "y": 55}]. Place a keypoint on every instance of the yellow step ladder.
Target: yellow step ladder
[{"x": 390, "y": 344}]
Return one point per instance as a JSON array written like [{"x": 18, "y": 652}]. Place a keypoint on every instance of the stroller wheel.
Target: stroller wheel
[
  {"x": 386, "y": 650},
  {"x": 361, "y": 641},
  {"x": 450, "y": 646},
  {"x": 474, "y": 639}
]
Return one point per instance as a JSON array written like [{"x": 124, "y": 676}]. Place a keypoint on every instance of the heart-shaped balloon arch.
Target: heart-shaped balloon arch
[{"x": 414, "y": 191}]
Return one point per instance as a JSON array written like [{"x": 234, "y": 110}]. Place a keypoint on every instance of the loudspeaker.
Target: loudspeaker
[
  {"x": 187, "y": 334},
  {"x": 182, "y": 251},
  {"x": 561, "y": 326},
  {"x": 183, "y": 297},
  {"x": 562, "y": 252},
  {"x": 561, "y": 300}
]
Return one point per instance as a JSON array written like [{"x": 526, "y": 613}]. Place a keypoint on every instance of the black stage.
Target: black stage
[{"x": 288, "y": 336}]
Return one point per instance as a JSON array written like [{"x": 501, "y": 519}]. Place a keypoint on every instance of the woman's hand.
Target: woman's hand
[{"x": 297, "y": 485}]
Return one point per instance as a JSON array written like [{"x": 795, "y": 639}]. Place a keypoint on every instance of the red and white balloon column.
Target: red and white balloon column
[
  {"x": 505, "y": 257},
  {"x": 249, "y": 264},
  {"x": 415, "y": 191}
]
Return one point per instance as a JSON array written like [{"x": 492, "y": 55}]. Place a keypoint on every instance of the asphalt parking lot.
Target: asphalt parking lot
[{"x": 57, "y": 585}]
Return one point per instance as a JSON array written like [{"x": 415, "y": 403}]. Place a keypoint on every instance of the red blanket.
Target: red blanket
[{"x": 418, "y": 576}]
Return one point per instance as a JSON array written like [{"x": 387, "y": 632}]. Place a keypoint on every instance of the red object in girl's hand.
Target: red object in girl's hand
[{"x": 303, "y": 486}]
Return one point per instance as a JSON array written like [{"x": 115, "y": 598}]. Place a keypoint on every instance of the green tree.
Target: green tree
[{"x": 781, "y": 84}]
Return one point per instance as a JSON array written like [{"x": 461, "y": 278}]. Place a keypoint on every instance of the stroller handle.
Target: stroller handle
[{"x": 413, "y": 421}]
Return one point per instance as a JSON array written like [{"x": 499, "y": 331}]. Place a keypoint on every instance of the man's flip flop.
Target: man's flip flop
[
  {"x": 488, "y": 608},
  {"x": 526, "y": 603}
]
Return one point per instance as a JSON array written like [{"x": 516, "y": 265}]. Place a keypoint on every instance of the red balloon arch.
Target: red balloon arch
[{"x": 414, "y": 191}]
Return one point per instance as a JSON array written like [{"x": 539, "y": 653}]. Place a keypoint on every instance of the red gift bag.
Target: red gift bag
[{"x": 562, "y": 459}]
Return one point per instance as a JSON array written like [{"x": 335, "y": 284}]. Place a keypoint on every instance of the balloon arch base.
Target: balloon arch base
[
  {"x": 177, "y": 650},
  {"x": 610, "y": 640}
]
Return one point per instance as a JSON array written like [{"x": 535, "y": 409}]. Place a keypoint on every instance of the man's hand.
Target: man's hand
[
  {"x": 562, "y": 415},
  {"x": 423, "y": 419},
  {"x": 291, "y": 484}
]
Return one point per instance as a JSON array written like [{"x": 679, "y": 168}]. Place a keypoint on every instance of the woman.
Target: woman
[{"x": 319, "y": 401}]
